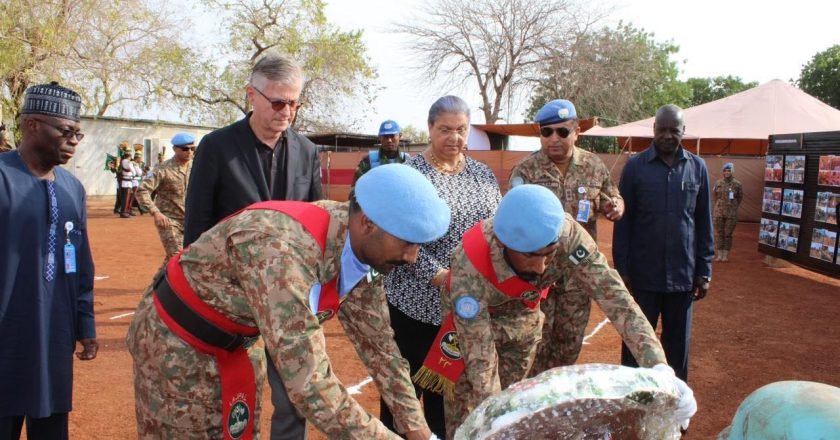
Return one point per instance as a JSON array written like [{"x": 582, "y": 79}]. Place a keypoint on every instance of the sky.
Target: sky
[{"x": 755, "y": 40}]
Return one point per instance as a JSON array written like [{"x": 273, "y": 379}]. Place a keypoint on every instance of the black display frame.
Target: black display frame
[{"x": 812, "y": 146}]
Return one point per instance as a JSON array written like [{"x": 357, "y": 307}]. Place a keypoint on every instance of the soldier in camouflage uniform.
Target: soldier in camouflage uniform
[
  {"x": 169, "y": 182},
  {"x": 728, "y": 195},
  {"x": 499, "y": 329},
  {"x": 582, "y": 183},
  {"x": 388, "y": 152},
  {"x": 270, "y": 274}
]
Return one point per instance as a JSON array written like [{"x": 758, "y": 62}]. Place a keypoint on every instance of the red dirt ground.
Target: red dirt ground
[{"x": 758, "y": 325}]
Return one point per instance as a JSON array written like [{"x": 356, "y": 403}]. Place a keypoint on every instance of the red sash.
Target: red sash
[
  {"x": 444, "y": 363},
  {"x": 236, "y": 373}
]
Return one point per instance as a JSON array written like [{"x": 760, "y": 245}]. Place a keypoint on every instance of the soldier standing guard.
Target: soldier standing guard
[
  {"x": 582, "y": 183},
  {"x": 728, "y": 195},
  {"x": 499, "y": 274},
  {"x": 388, "y": 152},
  {"x": 277, "y": 269},
  {"x": 169, "y": 182}
]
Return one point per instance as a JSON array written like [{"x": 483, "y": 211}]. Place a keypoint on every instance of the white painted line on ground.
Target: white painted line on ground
[
  {"x": 596, "y": 330},
  {"x": 357, "y": 389},
  {"x": 103, "y": 277},
  {"x": 122, "y": 315}
]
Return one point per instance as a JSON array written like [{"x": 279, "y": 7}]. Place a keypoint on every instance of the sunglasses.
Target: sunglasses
[
  {"x": 187, "y": 148},
  {"x": 66, "y": 133},
  {"x": 279, "y": 104},
  {"x": 563, "y": 132}
]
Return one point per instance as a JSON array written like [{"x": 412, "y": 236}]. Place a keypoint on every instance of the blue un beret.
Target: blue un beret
[
  {"x": 729, "y": 165},
  {"x": 389, "y": 127},
  {"x": 559, "y": 110},
  {"x": 183, "y": 139},
  {"x": 528, "y": 218},
  {"x": 402, "y": 202},
  {"x": 793, "y": 410}
]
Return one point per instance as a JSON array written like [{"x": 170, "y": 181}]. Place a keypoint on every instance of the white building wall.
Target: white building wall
[{"x": 103, "y": 136}]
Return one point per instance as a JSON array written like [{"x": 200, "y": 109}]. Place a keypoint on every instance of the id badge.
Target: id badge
[
  {"x": 731, "y": 195},
  {"x": 69, "y": 258},
  {"x": 583, "y": 210}
]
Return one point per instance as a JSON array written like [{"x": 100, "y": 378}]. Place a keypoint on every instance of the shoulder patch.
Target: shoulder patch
[
  {"x": 467, "y": 307},
  {"x": 578, "y": 255}
]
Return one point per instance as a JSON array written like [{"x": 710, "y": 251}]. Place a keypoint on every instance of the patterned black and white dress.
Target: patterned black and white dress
[{"x": 472, "y": 195}]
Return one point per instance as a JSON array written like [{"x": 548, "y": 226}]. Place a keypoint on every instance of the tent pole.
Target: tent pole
[{"x": 698, "y": 146}]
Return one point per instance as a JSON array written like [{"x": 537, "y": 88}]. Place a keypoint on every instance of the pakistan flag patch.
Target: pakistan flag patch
[{"x": 580, "y": 253}]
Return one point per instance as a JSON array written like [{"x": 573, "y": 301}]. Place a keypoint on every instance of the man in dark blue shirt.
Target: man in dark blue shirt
[{"x": 663, "y": 246}]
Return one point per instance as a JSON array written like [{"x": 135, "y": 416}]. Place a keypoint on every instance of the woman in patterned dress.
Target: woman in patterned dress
[{"x": 472, "y": 193}]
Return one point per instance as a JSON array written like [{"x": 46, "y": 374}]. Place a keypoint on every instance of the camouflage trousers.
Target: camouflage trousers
[
  {"x": 177, "y": 389},
  {"x": 516, "y": 337},
  {"x": 566, "y": 312},
  {"x": 724, "y": 227},
  {"x": 172, "y": 238}
]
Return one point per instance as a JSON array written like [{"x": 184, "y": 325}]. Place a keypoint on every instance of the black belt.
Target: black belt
[{"x": 195, "y": 324}]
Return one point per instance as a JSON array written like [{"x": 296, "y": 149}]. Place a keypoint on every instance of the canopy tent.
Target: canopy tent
[{"x": 738, "y": 124}]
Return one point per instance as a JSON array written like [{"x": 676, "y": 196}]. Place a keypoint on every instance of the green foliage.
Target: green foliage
[
  {"x": 337, "y": 72},
  {"x": 109, "y": 52},
  {"x": 820, "y": 77},
  {"x": 705, "y": 90},
  {"x": 620, "y": 74},
  {"x": 414, "y": 135}
]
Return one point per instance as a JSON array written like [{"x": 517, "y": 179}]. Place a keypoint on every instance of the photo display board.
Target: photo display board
[{"x": 799, "y": 206}]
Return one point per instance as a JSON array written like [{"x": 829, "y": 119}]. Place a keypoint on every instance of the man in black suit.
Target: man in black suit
[{"x": 256, "y": 159}]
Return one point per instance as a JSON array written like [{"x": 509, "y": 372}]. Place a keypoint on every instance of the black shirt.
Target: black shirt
[{"x": 274, "y": 162}]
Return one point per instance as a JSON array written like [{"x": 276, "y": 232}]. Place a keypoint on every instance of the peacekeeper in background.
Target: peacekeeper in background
[
  {"x": 388, "y": 152},
  {"x": 277, "y": 269},
  {"x": 499, "y": 274},
  {"x": 168, "y": 181},
  {"x": 582, "y": 183},
  {"x": 728, "y": 194}
]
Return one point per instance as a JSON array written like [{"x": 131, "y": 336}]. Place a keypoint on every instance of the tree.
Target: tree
[
  {"x": 821, "y": 76},
  {"x": 337, "y": 71},
  {"x": 31, "y": 39},
  {"x": 109, "y": 52},
  {"x": 414, "y": 135},
  {"x": 711, "y": 89},
  {"x": 619, "y": 74},
  {"x": 129, "y": 48},
  {"x": 497, "y": 43}
]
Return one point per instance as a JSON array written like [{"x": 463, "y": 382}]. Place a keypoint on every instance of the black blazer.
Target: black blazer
[{"x": 226, "y": 176}]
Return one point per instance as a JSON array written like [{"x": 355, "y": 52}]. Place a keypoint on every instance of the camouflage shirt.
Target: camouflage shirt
[
  {"x": 728, "y": 196},
  {"x": 505, "y": 319},
  {"x": 169, "y": 182},
  {"x": 257, "y": 268},
  {"x": 587, "y": 178},
  {"x": 364, "y": 164}
]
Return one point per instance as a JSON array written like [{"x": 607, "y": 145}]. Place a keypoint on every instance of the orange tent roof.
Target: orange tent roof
[{"x": 740, "y": 123}]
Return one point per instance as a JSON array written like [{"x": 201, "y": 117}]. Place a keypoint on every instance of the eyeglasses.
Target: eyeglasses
[
  {"x": 186, "y": 148},
  {"x": 462, "y": 132},
  {"x": 66, "y": 133},
  {"x": 279, "y": 104},
  {"x": 563, "y": 132}
]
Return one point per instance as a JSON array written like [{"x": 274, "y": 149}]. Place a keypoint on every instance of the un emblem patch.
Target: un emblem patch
[{"x": 467, "y": 307}]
